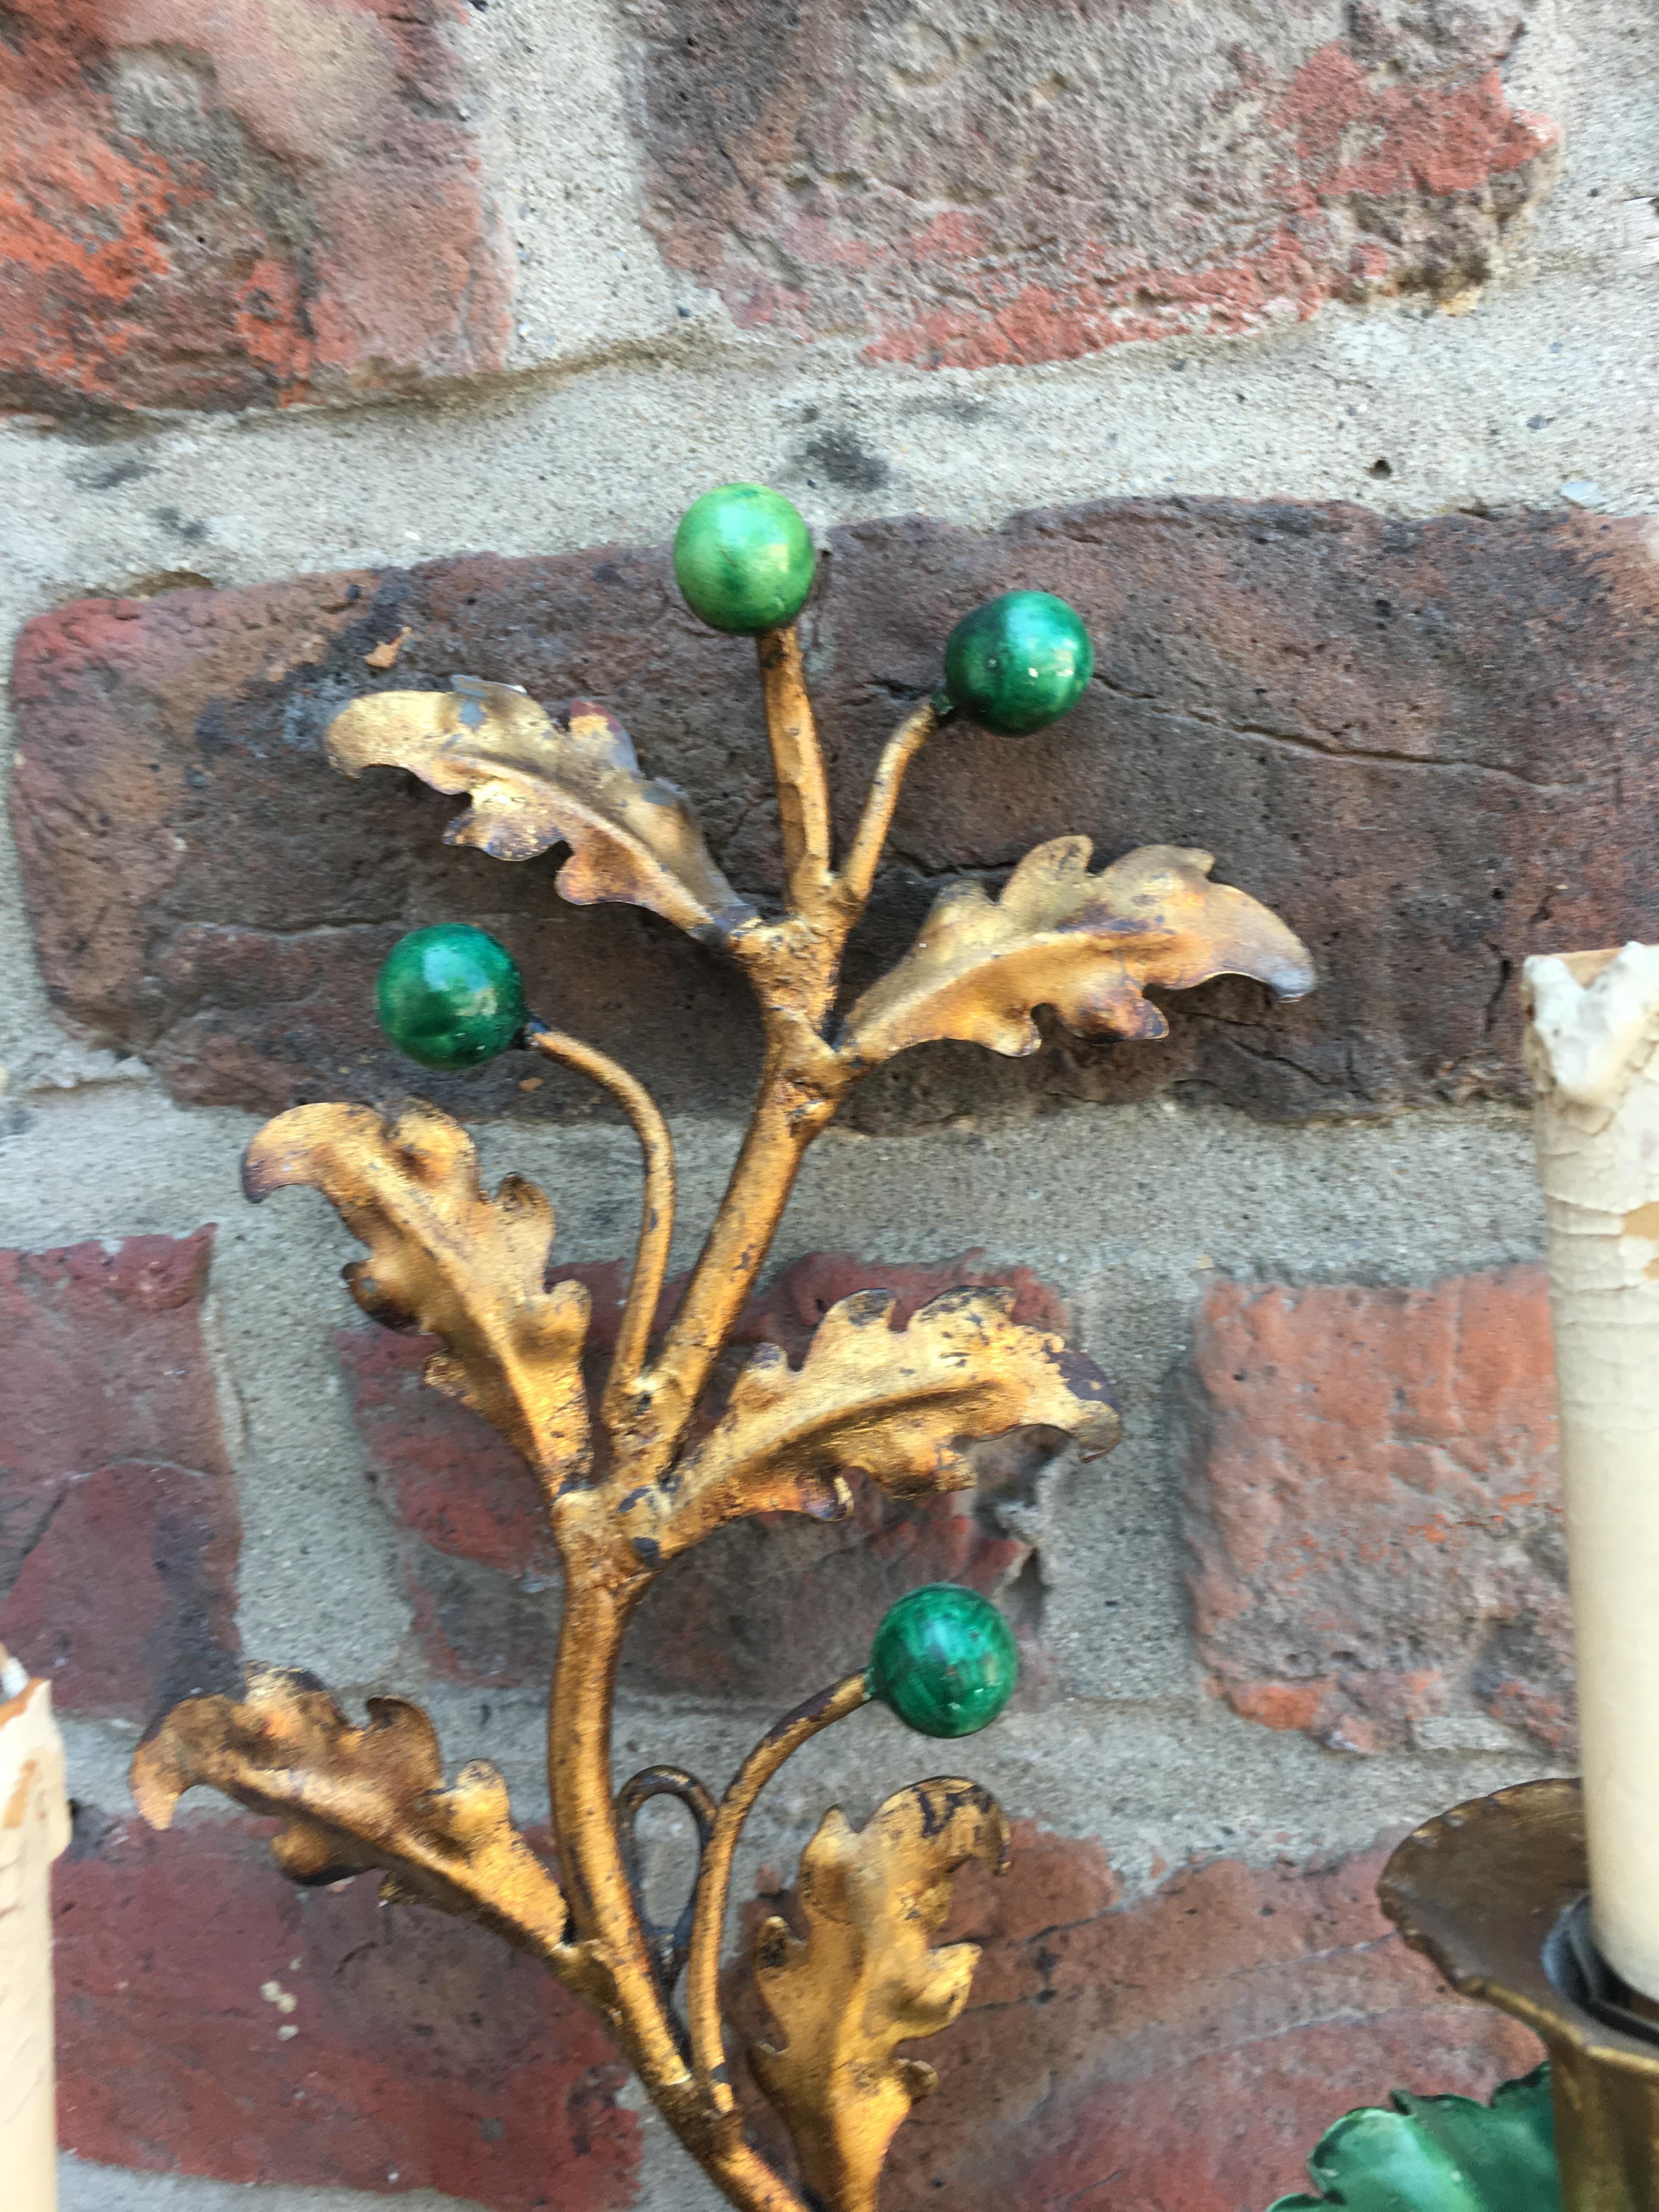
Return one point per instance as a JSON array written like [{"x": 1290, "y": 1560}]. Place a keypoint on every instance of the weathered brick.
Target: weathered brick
[
  {"x": 982, "y": 184},
  {"x": 1373, "y": 1508},
  {"x": 118, "y": 1527},
  {"x": 213, "y": 2020},
  {"x": 1418, "y": 741},
  {"x": 213, "y": 206},
  {"x": 771, "y": 1608},
  {"x": 1181, "y": 2053}
]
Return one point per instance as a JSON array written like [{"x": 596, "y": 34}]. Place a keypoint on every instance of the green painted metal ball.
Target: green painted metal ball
[
  {"x": 945, "y": 1660},
  {"x": 744, "y": 559},
  {"x": 1019, "y": 663},
  {"x": 450, "y": 996}
]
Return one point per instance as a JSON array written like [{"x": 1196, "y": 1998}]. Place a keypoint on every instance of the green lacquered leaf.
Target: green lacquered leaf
[{"x": 1440, "y": 2155}]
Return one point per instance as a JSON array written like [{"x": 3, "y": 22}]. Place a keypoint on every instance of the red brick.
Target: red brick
[
  {"x": 118, "y": 1525},
  {"x": 1031, "y": 184},
  {"x": 213, "y": 206},
  {"x": 1419, "y": 742},
  {"x": 1373, "y": 1507},
  {"x": 1180, "y": 2053},
  {"x": 426, "y": 2054},
  {"x": 772, "y": 1608}
]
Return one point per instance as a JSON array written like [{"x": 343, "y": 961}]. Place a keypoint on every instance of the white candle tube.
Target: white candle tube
[
  {"x": 1592, "y": 1055},
  {"x": 33, "y": 1830}
]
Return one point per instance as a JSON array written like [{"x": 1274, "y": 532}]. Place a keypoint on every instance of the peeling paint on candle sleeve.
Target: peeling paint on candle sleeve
[
  {"x": 1592, "y": 1053},
  {"x": 1590, "y": 1017}
]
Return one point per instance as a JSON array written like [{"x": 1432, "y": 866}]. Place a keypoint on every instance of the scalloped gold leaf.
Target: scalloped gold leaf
[
  {"x": 354, "y": 1799},
  {"x": 893, "y": 1403},
  {"x": 535, "y": 782},
  {"x": 1086, "y": 945},
  {"x": 445, "y": 1259},
  {"x": 868, "y": 1978}
]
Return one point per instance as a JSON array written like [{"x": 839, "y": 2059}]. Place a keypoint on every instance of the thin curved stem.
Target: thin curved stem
[
  {"x": 672, "y": 1944},
  {"x": 797, "y": 767},
  {"x": 702, "y": 1999},
  {"x": 656, "y": 1208},
  {"x": 858, "y": 875}
]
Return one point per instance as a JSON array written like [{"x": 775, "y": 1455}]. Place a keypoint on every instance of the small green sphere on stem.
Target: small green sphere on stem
[
  {"x": 1019, "y": 663},
  {"x": 450, "y": 996},
  {"x": 945, "y": 1660},
  {"x": 744, "y": 559}
]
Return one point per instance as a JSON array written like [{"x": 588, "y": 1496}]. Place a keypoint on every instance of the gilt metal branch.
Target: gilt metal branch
[{"x": 896, "y": 1408}]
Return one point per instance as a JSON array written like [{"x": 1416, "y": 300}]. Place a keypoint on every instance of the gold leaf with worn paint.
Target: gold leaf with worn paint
[
  {"x": 353, "y": 1799},
  {"x": 448, "y": 1261},
  {"x": 535, "y": 782},
  {"x": 1086, "y": 945},
  {"x": 868, "y": 1978},
  {"x": 893, "y": 1403}
]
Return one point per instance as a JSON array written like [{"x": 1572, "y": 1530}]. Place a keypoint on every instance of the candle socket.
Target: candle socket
[{"x": 1494, "y": 1893}]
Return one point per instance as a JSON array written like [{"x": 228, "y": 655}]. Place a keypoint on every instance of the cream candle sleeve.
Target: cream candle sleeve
[
  {"x": 33, "y": 1830},
  {"x": 1592, "y": 1055}
]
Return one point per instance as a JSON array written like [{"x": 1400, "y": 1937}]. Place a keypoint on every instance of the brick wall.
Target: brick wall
[{"x": 344, "y": 345}]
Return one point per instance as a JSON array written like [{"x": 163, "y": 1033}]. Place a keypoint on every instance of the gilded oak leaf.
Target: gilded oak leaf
[
  {"x": 351, "y": 1799},
  {"x": 867, "y": 1978},
  {"x": 893, "y": 1403},
  {"x": 445, "y": 1259},
  {"x": 1086, "y": 945},
  {"x": 536, "y": 782}
]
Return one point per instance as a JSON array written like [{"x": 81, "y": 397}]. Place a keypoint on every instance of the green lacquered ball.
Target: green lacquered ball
[
  {"x": 1019, "y": 663},
  {"x": 744, "y": 559},
  {"x": 450, "y": 996},
  {"x": 945, "y": 1660}
]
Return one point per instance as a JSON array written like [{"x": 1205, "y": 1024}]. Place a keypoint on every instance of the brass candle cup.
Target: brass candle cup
[{"x": 1492, "y": 1892}]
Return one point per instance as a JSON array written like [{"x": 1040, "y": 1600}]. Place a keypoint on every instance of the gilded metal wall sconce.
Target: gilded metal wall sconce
[{"x": 630, "y": 1484}]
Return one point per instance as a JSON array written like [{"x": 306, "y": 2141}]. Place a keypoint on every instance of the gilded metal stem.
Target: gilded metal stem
[
  {"x": 702, "y": 1997},
  {"x": 802, "y": 1082},
  {"x": 858, "y": 875},
  {"x": 788, "y": 1113},
  {"x": 798, "y": 768},
  {"x": 591, "y": 1862},
  {"x": 602, "y": 1901},
  {"x": 656, "y": 1208}
]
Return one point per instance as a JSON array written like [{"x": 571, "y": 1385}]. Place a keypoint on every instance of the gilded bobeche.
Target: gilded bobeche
[{"x": 625, "y": 1491}]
